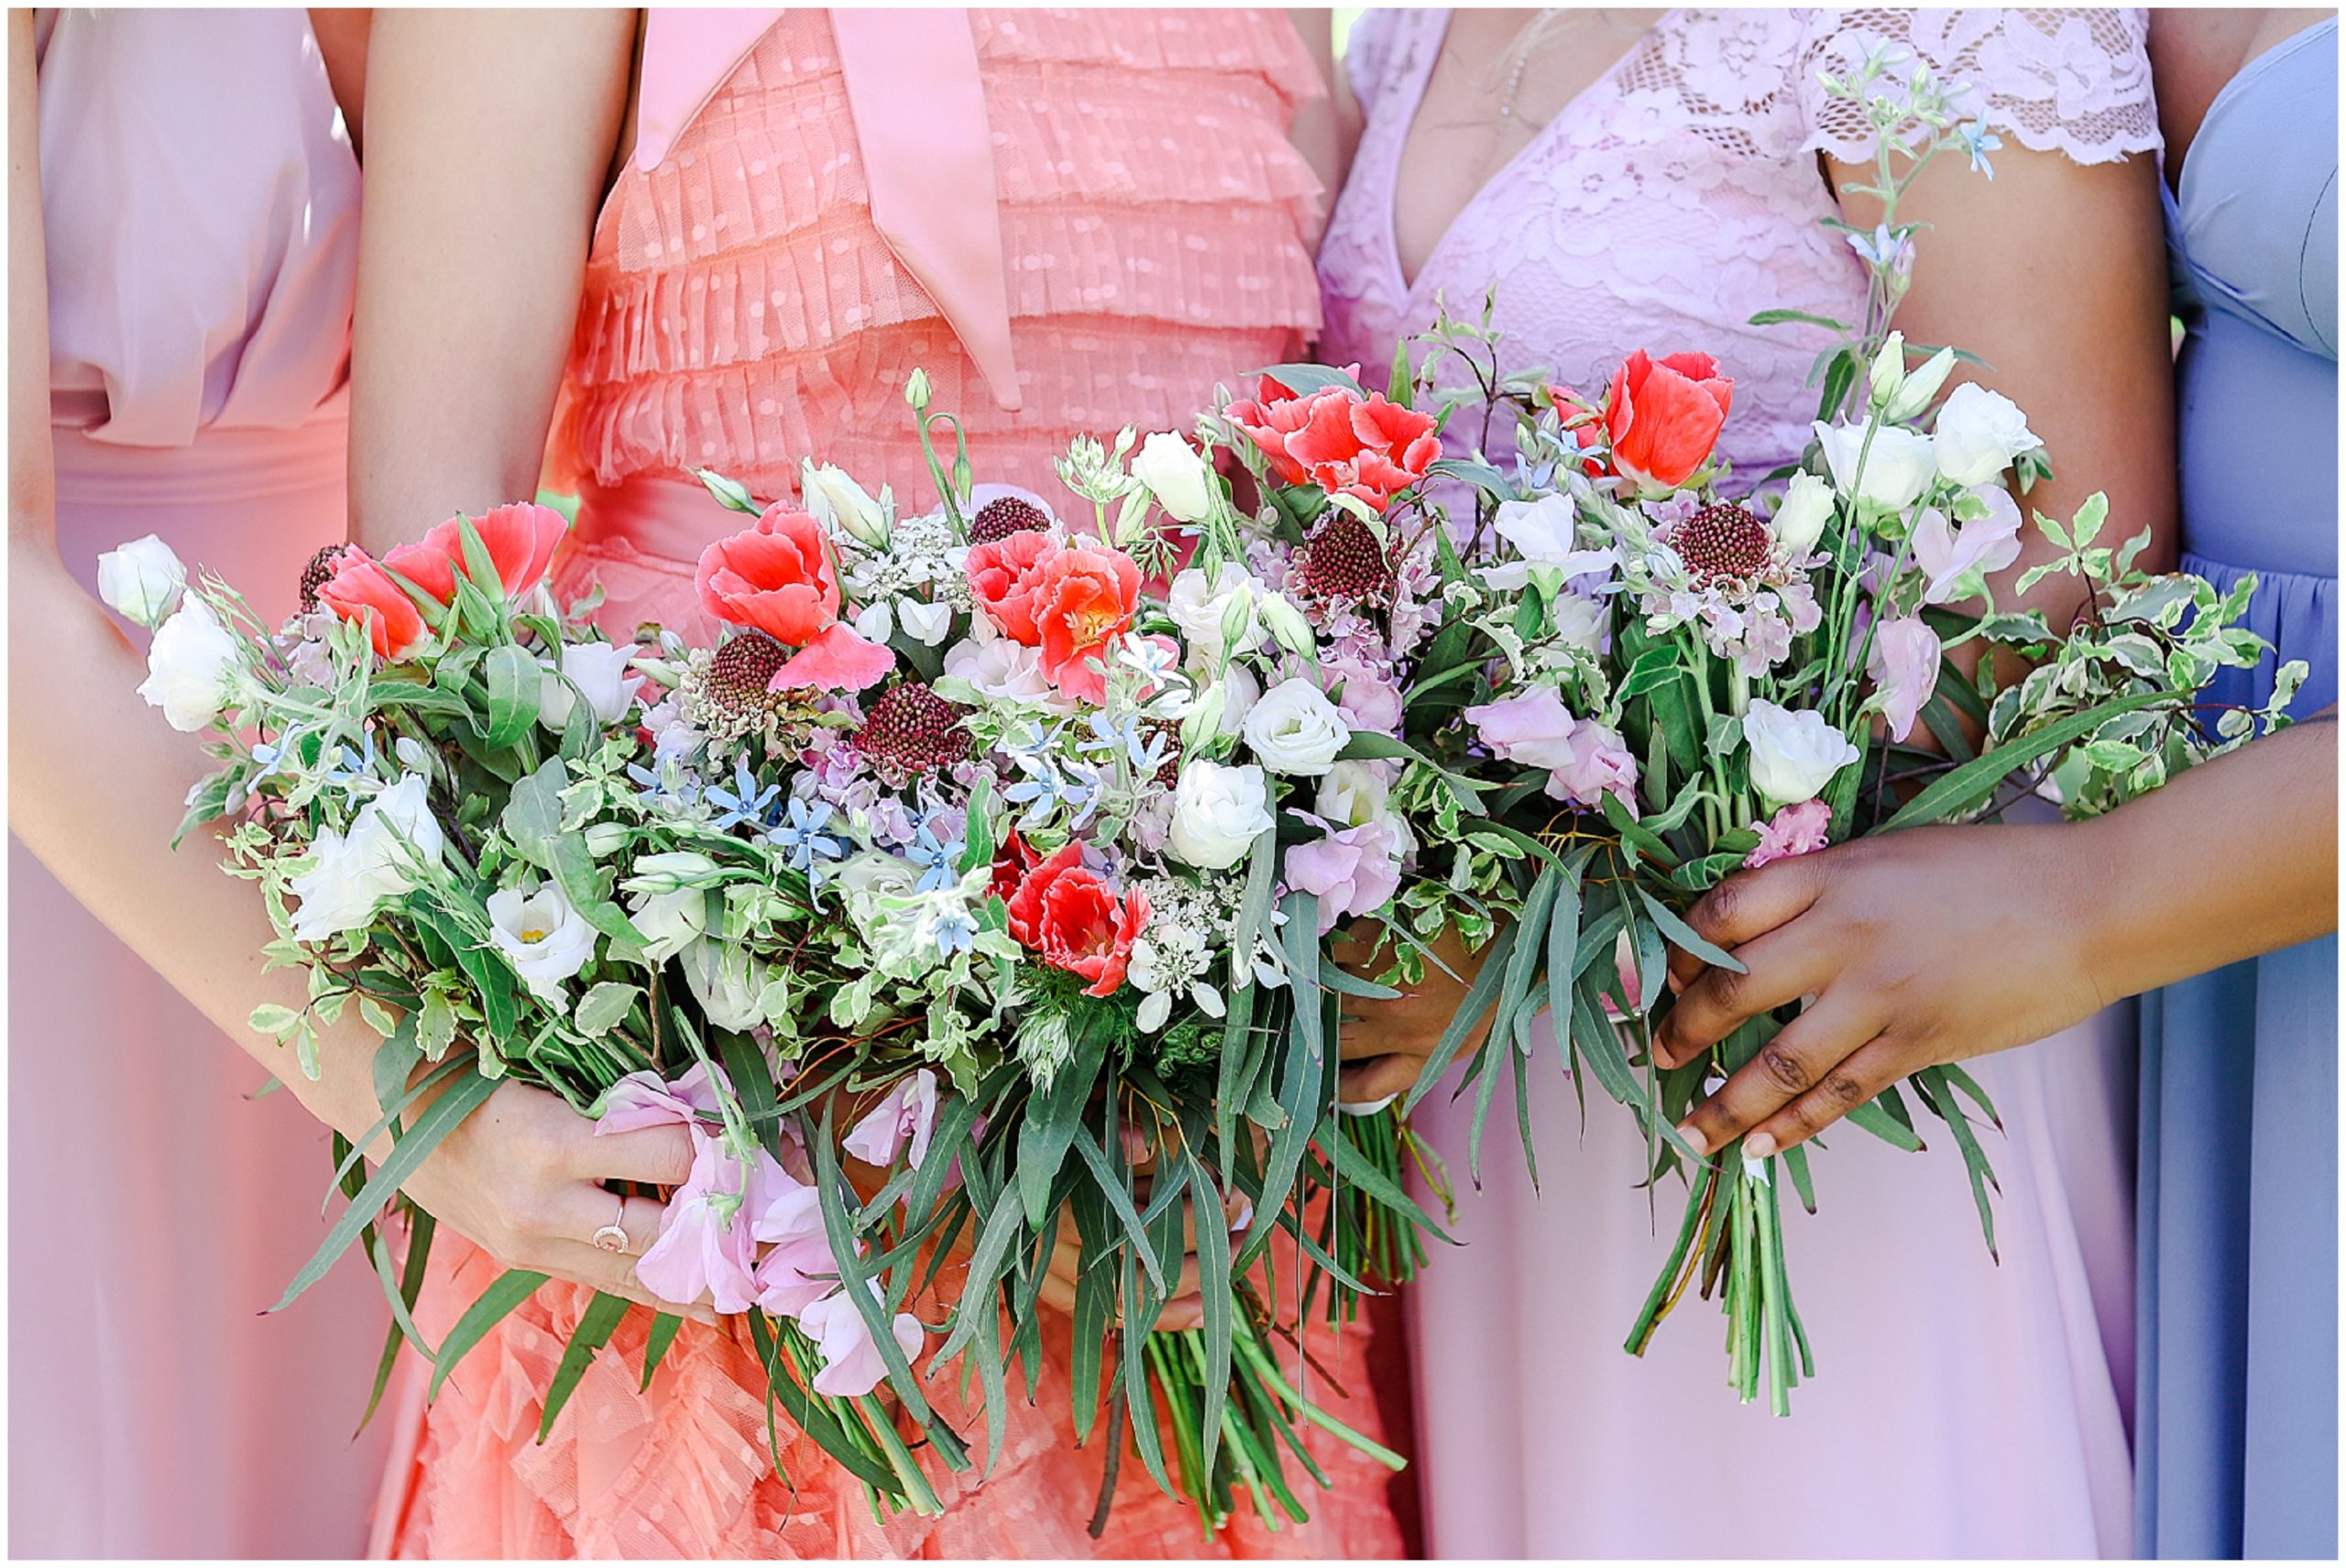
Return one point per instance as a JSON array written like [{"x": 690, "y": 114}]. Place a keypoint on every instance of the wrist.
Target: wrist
[{"x": 2100, "y": 871}]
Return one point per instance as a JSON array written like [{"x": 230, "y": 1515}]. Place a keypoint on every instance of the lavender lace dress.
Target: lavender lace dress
[{"x": 1961, "y": 1409}]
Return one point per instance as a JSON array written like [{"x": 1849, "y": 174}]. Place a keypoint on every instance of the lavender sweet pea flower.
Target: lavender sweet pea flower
[
  {"x": 704, "y": 1246},
  {"x": 1367, "y": 701},
  {"x": 851, "y": 1363},
  {"x": 1534, "y": 728},
  {"x": 1904, "y": 667},
  {"x": 642, "y": 1099},
  {"x": 796, "y": 1275},
  {"x": 1353, "y": 871},
  {"x": 1991, "y": 543},
  {"x": 1584, "y": 758},
  {"x": 1600, "y": 765},
  {"x": 906, "y": 1115}
]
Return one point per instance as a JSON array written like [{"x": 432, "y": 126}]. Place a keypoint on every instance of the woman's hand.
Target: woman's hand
[
  {"x": 1918, "y": 947},
  {"x": 1185, "y": 1309},
  {"x": 521, "y": 1178},
  {"x": 1386, "y": 1042}
]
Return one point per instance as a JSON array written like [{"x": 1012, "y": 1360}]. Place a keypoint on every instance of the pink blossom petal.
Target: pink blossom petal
[
  {"x": 852, "y": 1362},
  {"x": 837, "y": 660},
  {"x": 1795, "y": 830}
]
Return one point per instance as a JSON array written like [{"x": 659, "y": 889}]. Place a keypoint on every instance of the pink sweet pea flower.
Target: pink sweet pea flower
[
  {"x": 796, "y": 1274},
  {"x": 1351, "y": 872},
  {"x": 699, "y": 1252},
  {"x": 1600, "y": 764},
  {"x": 906, "y": 1115},
  {"x": 851, "y": 1363},
  {"x": 839, "y": 660},
  {"x": 1904, "y": 667},
  {"x": 1991, "y": 543},
  {"x": 642, "y": 1099},
  {"x": 1366, "y": 700},
  {"x": 1795, "y": 830},
  {"x": 1534, "y": 728}
]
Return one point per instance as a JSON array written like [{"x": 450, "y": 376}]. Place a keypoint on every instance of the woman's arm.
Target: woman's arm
[
  {"x": 97, "y": 786},
  {"x": 490, "y": 138},
  {"x": 1942, "y": 943}
]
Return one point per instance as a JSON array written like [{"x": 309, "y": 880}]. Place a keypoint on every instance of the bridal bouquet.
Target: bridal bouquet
[
  {"x": 1656, "y": 674},
  {"x": 965, "y": 897}
]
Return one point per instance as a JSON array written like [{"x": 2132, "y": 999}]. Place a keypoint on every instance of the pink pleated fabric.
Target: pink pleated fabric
[
  {"x": 200, "y": 211},
  {"x": 743, "y": 313}
]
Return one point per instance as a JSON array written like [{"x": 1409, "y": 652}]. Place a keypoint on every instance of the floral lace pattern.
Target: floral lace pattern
[{"x": 1680, "y": 192}]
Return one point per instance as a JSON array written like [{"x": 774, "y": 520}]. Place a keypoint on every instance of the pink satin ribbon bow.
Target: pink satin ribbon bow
[{"x": 920, "y": 121}]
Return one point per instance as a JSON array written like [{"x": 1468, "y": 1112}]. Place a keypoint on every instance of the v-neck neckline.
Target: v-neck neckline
[{"x": 1437, "y": 32}]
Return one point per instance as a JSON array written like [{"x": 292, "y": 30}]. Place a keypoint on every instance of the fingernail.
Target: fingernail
[
  {"x": 1759, "y": 1146},
  {"x": 1695, "y": 1139}
]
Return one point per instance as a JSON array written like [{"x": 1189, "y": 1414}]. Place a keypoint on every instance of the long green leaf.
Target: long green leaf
[
  {"x": 1960, "y": 789},
  {"x": 509, "y": 1289},
  {"x": 855, "y": 1273},
  {"x": 1479, "y": 997},
  {"x": 1214, "y": 1288},
  {"x": 1684, "y": 937},
  {"x": 595, "y": 1326},
  {"x": 662, "y": 1335},
  {"x": 443, "y": 1114}
]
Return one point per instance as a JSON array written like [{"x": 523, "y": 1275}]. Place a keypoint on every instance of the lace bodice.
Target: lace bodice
[{"x": 1680, "y": 193}]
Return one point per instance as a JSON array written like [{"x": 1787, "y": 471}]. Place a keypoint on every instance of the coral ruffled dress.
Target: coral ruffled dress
[{"x": 742, "y": 311}]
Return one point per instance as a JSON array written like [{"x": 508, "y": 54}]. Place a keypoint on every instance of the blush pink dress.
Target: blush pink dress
[
  {"x": 1961, "y": 1408},
  {"x": 742, "y": 311},
  {"x": 200, "y": 205}
]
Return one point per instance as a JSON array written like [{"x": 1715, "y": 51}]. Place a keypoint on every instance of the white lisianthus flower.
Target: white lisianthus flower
[
  {"x": 842, "y": 505},
  {"x": 542, "y": 937},
  {"x": 1922, "y": 386},
  {"x": 727, "y": 982},
  {"x": 1807, "y": 506},
  {"x": 1898, "y": 463},
  {"x": 1979, "y": 434},
  {"x": 191, "y": 668},
  {"x": 1353, "y": 794},
  {"x": 142, "y": 580},
  {"x": 669, "y": 922},
  {"x": 1547, "y": 531},
  {"x": 1218, "y": 813},
  {"x": 928, "y": 622},
  {"x": 1240, "y": 692},
  {"x": 866, "y": 879},
  {"x": 1793, "y": 755},
  {"x": 598, "y": 669},
  {"x": 1176, "y": 476},
  {"x": 1296, "y": 729},
  {"x": 1288, "y": 624},
  {"x": 1002, "y": 671},
  {"x": 672, "y": 869},
  {"x": 391, "y": 842},
  {"x": 1580, "y": 621},
  {"x": 1205, "y": 611}
]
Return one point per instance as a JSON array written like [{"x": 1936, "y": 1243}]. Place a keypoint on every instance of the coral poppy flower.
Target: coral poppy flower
[
  {"x": 1664, "y": 416},
  {"x": 519, "y": 539},
  {"x": 1066, "y": 911},
  {"x": 360, "y": 589}
]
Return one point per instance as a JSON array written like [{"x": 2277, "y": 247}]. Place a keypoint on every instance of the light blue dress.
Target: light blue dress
[{"x": 2236, "y": 1435}]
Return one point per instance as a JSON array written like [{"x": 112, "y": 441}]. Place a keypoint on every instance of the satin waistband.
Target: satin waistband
[
  {"x": 218, "y": 466},
  {"x": 657, "y": 515}
]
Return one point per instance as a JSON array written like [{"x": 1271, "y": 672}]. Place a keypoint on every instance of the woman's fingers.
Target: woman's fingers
[
  {"x": 1778, "y": 967},
  {"x": 1377, "y": 1078},
  {"x": 1748, "y": 905},
  {"x": 614, "y": 1275},
  {"x": 657, "y": 1156},
  {"x": 1874, "y": 1067},
  {"x": 1808, "y": 1055},
  {"x": 586, "y": 1208}
]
